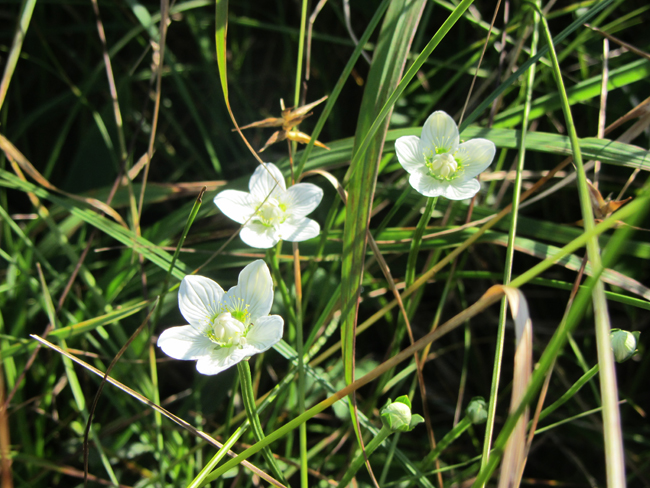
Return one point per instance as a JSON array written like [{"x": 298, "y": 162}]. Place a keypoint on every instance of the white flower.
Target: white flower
[
  {"x": 438, "y": 164},
  {"x": 271, "y": 211},
  {"x": 224, "y": 327}
]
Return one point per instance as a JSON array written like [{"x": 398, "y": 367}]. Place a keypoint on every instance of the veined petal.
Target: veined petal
[
  {"x": 220, "y": 360},
  {"x": 302, "y": 198},
  {"x": 260, "y": 236},
  {"x": 409, "y": 154},
  {"x": 267, "y": 179},
  {"x": 235, "y": 204},
  {"x": 439, "y": 134},
  {"x": 266, "y": 332},
  {"x": 461, "y": 190},
  {"x": 185, "y": 342},
  {"x": 254, "y": 288},
  {"x": 298, "y": 229},
  {"x": 475, "y": 156},
  {"x": 427, "y": 185},
  {"x": 199, "y": 299}
]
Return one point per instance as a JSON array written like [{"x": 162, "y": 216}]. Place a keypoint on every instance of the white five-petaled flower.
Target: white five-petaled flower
[
  {"x": 438, "y": 164},
  {"x": 224, "y": 327},
  {"x": 270, "y": 212}
]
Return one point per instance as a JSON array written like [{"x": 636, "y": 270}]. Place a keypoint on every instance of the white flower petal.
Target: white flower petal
[
  {"x": 302, "y": 198},
  {"x": 266, "y": 332},
  {"x": 475, "y": 156},
  {"x": 427, "y": 185},
  {"x": 260, "y": 236},
  {"x": 461, "y": 190},
  {"x": 236, "y": 205},
  {"x": 185, "y": 342},
  {"x": 267, "y": 179},
  {"x": 439, "y": 134},
  {"x": 409, "y": 154},
  {"x": 298, "y": 229},
  {"x": 254, "y": 288},
  {"x": 198, "y": 299},
  {"x": 220, "y": 360}
]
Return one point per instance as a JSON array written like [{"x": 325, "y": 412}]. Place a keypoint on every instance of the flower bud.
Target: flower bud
[
  {"x": 477, "y": 410},
  {"x": 397, "y": 415},
  {"x": 624, "y": 344}
]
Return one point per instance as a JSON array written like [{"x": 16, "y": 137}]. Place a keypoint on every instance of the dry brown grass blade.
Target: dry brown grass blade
[
  {"x": 277, "y": 136},
  {"x": 310, "y": 30},
  {"x": 302, "y": 112},
  {"x": 618, "y": 41},
  {"x": 189, "y": 427},
  {"x": 544, "y": 390},
  {"x": 11, "y": 59},
  {"x": 602, "y": 112},
  {"x": 135, "y": 169},
  {"x": 111, "y": 82},
  {"x": 487, "y": 40},
  {"x": 268, "y": 122},
  {"x": 77, "y": 473},
  {"x": 159, "y": 58},
  {"x": 514, "y": 455},
  {"x": 15, "y": 156}
]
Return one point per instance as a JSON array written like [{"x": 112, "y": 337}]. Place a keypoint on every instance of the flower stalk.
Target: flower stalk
[{"x": 248, "y": 398}]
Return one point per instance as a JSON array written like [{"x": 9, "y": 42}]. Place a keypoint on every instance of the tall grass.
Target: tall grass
[{"x": 117, "y": 130}]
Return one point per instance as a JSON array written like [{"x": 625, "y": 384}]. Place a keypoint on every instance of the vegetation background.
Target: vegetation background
[{"x": 85, "y": 247}]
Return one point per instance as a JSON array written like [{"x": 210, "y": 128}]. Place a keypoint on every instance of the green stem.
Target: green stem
[
  {"x": 302, "y": 431},
  {"x": 248, "y": 398},
  {"x": 498, "y": 353},
  {"x": 614, "y": 456},
  {"x": 284, "y": 291},
  {"x": 221, "y": 453},
  {"x": 417, "y": 241},
  {"x": 443, "y": 443},
  {"x": 301, "y": 48},
  {"x": 360, "y": 459}
]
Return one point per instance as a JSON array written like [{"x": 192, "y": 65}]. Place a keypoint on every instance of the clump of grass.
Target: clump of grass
[{"x": 116, "y": 133}]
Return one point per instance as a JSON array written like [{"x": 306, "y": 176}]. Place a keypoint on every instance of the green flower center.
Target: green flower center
[
  {"x": 271, "y": 213},
  {"x": 443, "y": 167},
  {"x": 227, "y": 331}
]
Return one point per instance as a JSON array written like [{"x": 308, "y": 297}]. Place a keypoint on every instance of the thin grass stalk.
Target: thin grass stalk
[
  {"x": 301, "y": 49},
  {"x": 181, "y": 241},
  {"x": 26, "y": 10},
  {"x": 615, "y": 459},
  {"x": 510, "y": 251},
  {"x": 248, "y": 399},
  {"x": 304, "y": 468},
  {"x": 302, "y": 432}
]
